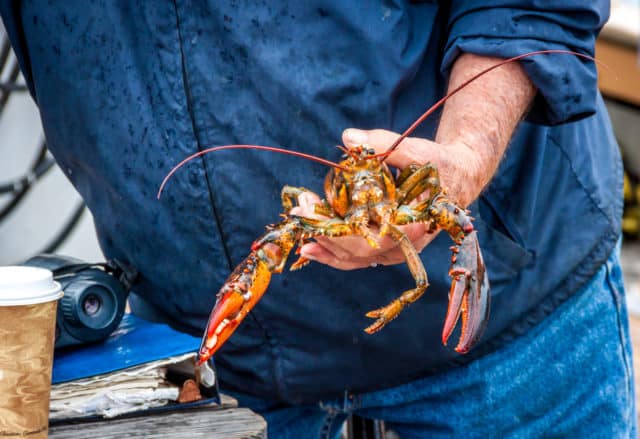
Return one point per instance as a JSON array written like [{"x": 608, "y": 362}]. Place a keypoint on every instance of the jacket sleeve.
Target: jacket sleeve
[{"x": 567, "y": 85}]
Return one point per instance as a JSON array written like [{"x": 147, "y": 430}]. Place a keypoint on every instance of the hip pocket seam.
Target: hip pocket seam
[{"x": 623, "y": 331}]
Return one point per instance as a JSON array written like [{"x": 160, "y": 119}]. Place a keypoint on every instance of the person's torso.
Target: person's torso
[{"x": 127, "y": 92}]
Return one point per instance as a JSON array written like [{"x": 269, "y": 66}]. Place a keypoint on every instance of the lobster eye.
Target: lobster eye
[{"x": 371, "y": 151}]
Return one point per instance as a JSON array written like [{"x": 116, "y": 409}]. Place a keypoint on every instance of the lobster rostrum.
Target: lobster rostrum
[{"x": 362, "y": 195}]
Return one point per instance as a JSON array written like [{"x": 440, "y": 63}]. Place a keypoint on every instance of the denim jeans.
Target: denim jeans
[{"x": 569, "y": 376}]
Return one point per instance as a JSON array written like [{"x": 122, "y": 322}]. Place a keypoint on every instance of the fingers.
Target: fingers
[
  {"x": 318, "y": 253},
  {"x": 341, "y": 261},
  {"x": 379, "y": 140},
  {"x": 306, "y": 203},
  {"x": 352, "y": 252},
  {"x": 356, "y": 246},
  {"x": 420, "y": 237}
]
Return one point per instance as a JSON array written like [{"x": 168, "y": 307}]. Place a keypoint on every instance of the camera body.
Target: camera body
[{"x": 93, "y": 303}]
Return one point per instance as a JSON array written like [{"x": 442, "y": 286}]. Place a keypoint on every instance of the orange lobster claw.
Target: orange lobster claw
[
  {"x": 469, "y": 297},
  {"x": 221, "y": 325},
  {"x": 239, "y": 294}
]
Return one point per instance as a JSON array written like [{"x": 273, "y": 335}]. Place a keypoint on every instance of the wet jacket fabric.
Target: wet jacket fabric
[{"x": 126, "y": 90}]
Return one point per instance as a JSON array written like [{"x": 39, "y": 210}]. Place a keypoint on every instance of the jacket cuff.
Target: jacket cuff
[{"x": 567, "y": 85}]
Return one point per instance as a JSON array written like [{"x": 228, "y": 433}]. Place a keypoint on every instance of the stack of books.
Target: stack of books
[{"x": 142, "y": 367}]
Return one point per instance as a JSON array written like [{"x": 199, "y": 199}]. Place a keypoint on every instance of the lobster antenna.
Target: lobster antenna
[
  {"x": 343, "y": 149},
  {"x": 346, "y": 151},
  {"x": 260, "y": 147},
  {"x": 439, "y": 103}
]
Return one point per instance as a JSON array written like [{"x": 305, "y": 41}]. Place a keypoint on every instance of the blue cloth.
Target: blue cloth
[
  {"x": 128, "y": 89},
  {"x": 570, "y": 376},
  {"x": 134, "y": 342}
]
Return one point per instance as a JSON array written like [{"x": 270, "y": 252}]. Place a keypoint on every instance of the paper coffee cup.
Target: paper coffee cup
[{"x": 28, "y": 302}]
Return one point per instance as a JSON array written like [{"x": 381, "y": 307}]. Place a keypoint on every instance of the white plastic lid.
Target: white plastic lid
[{"x": 21, "y": 285}]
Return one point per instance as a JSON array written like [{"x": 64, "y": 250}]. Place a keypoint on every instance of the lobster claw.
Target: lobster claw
[
  {"x": 239, "y": 294},
  {"x": 246, "y": 285},
  {"x": 469, "y": 296},
  {"x": 221, "y": 324}
]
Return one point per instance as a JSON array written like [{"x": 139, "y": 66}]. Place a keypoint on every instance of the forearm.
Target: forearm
[{"x": 478, "y": 122}]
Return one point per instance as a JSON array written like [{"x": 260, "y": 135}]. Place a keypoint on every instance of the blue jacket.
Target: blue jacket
[{"x": 128, "y": 89}]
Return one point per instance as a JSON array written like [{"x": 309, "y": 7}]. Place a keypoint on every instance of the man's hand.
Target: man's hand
[
  {"x": 474, "y": 131},
  {"x": 353, "y": 252}
]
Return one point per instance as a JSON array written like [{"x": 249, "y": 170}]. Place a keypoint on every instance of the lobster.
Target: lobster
[{"x": 361, "y": 192}]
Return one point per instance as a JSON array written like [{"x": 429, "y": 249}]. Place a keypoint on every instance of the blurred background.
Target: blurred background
[{"x": 40, "y": 212}]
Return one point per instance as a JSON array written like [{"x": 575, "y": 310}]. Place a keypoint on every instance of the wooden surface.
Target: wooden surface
[
  {"x": 621, "y": 80},
  {"x": 617, "y": 47},
  {"x": 215, "y": 422},
  {"x": 233, "y": 423}
]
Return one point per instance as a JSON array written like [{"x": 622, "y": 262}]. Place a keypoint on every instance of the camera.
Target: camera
[{"x": 94, "y": 300}]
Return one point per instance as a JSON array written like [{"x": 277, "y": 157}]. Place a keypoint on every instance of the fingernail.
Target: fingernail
[{"x": 356, "y": 137}]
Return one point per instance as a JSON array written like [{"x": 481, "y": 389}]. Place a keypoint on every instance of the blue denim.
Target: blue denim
[{"x": 569, "y": 376}]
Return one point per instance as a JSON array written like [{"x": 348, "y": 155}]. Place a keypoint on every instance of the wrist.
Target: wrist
[
  {"x": 462, "y": 171},
  {"x": 477, "y": 123}
]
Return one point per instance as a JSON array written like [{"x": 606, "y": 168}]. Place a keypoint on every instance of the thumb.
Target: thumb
[{"x": 380, "y": 141}]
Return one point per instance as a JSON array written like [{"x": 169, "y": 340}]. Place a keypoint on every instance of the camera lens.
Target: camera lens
[
  {"x": 91, "y": 304},
  {"x": 92, "y": 307}
]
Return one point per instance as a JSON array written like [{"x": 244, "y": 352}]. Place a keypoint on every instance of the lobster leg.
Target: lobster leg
[
  {"x": 250, "y": 279},
  {"x": 291, "y": 193},
  {"x": 469, "y": 296},
  {"x": 247, "y": 283},
  {"x": 406, "y": 172},
  {"x": 416, "y": 181},
  {"x": 387, "y": 313},
  {"x": 446, "y": 215},
  {"x": 336, "y": 227},
  {"x": 333, "y": 227}
]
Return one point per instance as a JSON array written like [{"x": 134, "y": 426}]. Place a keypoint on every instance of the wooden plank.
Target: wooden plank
[
  {"x": 622, "y": 79},
  {"x": 234, "y": 423}
]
